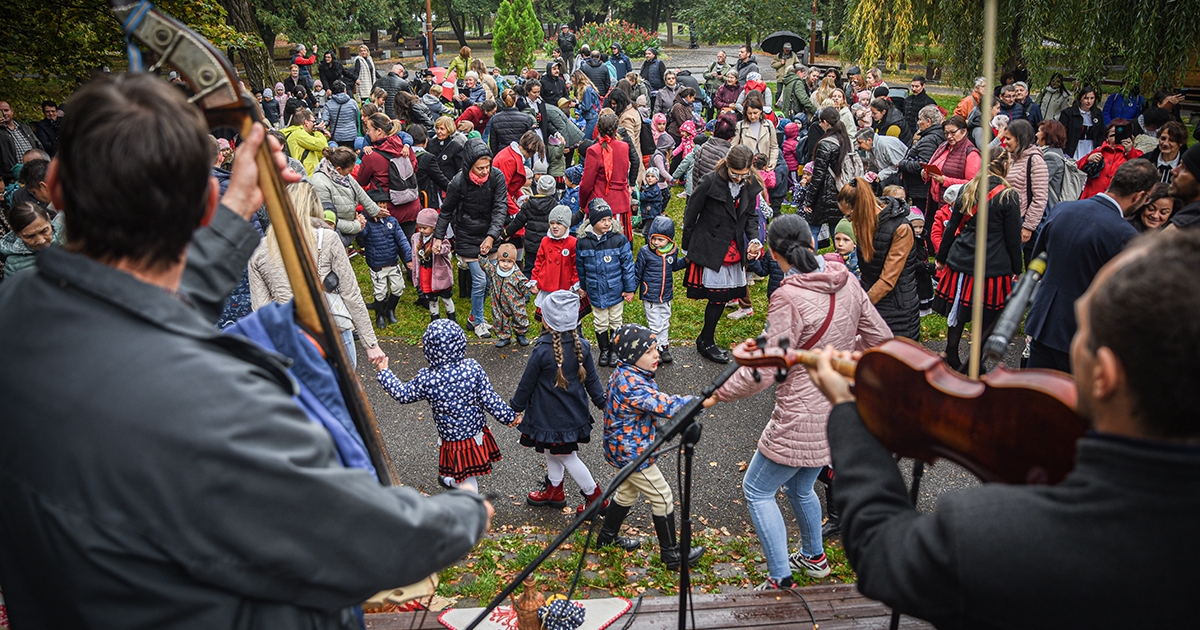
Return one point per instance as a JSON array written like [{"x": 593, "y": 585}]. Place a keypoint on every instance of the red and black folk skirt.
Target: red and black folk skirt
[
  {"x": 461, "y": 459},
  {"x": 958, "y": 286}
]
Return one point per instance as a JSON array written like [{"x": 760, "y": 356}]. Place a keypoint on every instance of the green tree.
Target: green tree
[
  {"x": 503, "y": 35},
  {"x": 745, "y": 20},
  {"x": 516, "y": 36},
  {"x": 532, "y": 29}
]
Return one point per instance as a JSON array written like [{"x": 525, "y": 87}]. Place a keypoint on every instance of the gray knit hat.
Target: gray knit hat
[
  {"x": 561, "y": 215},
  {"x": 560, "y": 311},
  {"x": 545, "y": 185}
]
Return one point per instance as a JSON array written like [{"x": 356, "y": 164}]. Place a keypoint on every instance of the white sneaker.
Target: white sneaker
[
  {"x": 481, "y": 331},
  {"x": 740, "y": 313},
  {"x": 817, "y": 567}
]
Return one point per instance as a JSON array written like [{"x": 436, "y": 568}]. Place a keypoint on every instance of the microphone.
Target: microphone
[{"x": 1014, "y": 310}]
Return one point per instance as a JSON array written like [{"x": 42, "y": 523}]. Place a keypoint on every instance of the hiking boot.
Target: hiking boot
[
  {"x": 551, "y": 495},
  {"x": 816, "y": 567},
  {"x": 612, "y": 525},
  {"x": 664, "y": 355},
  {"x": 589, "y": 499},
  {"x": 668, "y": 548}
]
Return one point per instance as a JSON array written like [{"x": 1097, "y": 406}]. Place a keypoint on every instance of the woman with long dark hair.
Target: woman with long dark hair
[
  {"x": 954, "y": 298},
  {"x": 956, "y": 158},
  {"x": 720, "y": 234},
  {"x": 818, "y": 303},
  {"x": 1028, "y": 175},
  {"x": 1085, "y": 124},
  {"x": 886, "y": 260},
  {"x": 1157, "y": 211},
  {"x": 832, "y": 154}
]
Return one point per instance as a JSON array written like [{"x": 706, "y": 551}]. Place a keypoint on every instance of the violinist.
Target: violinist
[
  {"x": 155, "y": 473},
  {"x": 1115, "y": 544}
]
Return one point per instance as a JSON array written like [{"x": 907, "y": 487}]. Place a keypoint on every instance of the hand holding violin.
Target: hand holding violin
[{"x": 831, "y": 383}]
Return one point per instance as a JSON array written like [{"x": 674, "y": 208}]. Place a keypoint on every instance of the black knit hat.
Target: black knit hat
[
  {"x": 1191, "y": 160},
  {"x": 631, "y": 341},
  {"x": 598, "y": 209}
]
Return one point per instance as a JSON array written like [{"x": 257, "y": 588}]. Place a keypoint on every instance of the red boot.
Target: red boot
[
  {"x": 550, "y": 495},
  {"x": 590, "y": 499}
]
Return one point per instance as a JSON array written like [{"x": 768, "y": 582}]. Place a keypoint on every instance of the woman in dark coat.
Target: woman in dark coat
[
  {"x": 476, "y": 205},
  {"x": 954, "y": 298},
  {"x": 720, "y": 235},
  {"x": 332, "y": 70},
  {"x": 508, "y": 124},
  {"x": 1085, "y": 124},
  {"x": 412, "y": 111},
  {"x": 829, "y": 156},
  {"x": 887, "y": 255}
]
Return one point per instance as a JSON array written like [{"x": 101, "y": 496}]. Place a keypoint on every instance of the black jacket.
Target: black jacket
[
  {"x": 392, "y": 83},
  {"x": 1073, "y": 121},
  {"x": 1003, "y": 237},
  {"x": 335, "y": 72},
  {"x": 598, "y": 74},
  {"x": 553, "y": 88},
  {"x": 654, "y": 74},
  {"x": 897, "y": 307},
  {"x": 449, "y": 153},
  {"x": 507, "y": 125},
  {"x": 8, "y": 148},
  {"x": 912, "y": 108},
  {"x": 173, "y": 478},
  {"x": 918, "y": 154},
  {"x": 822, "y": 189},
  {"x": 47, "y": 133},
  {"x": 431, "y": 179},
  {"x": 954, "y": 567},
  {"x": 419, "y": 114},
  {"x": 894, "y": 118},
  {"x": 712, "y": 220},
  {"x": 475, "y": 211},
  {"x": 566, "y": 43},
  {"x": 534, "y": 216}
]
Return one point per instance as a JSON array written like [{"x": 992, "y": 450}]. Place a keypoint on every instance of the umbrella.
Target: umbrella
[{"x": 774, "y": 42}]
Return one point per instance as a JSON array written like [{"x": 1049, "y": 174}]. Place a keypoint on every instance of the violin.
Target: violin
[
  {"x": 1017, "y": 427},
  {"x": 218, "y": 93}
]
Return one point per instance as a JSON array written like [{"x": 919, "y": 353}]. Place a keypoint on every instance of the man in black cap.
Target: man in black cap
[{"x": 1186, "y": 186}]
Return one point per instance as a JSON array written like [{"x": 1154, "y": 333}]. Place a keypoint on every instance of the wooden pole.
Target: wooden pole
[
  {"x": 981, "y": 216},
  {"x": 430, "y": 52},
  {"x": 812, "y": 37}
]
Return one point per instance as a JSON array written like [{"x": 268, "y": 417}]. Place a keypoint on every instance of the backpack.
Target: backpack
[
  {"x": 852, "y": 167},
  {"x": 402, "y": 181},
  {"x": 1073, "y": 181}
]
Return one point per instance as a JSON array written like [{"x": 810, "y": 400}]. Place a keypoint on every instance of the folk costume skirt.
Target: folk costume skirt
[
  {"x": 461, "y": 459},
  {"x": 725, "y": 288},
  {"x": 955, "y": 290}
]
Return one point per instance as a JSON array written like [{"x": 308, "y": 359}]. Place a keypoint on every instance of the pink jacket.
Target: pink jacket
[
  {"x": 795, "y": 435},
  {"x": 443, "y": 273}
]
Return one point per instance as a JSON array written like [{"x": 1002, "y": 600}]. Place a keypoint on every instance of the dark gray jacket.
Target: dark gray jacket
[
  {"x": 956, "y": 567},
  {"x": 170, "y": 479}
]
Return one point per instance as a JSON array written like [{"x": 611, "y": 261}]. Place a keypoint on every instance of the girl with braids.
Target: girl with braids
[
  {"x": 956, "y": 255},
  {"x": 553, "y": 397},
  {"x": 819, "y": 303}
]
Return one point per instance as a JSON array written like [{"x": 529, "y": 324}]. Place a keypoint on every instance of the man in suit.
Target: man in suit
[
  {"x": 1042, "y": 556},
  {"x": 1078, "y": 240}
]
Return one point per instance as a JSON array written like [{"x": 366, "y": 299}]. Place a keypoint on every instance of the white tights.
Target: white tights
[{"x": 557, "y": 464}]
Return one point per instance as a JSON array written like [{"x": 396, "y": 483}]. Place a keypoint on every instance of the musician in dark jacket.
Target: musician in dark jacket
[
  {"x": 173, "y": 481},
  {"x": 1079, "y": 238},
  {"x": 1041, "y": 556}
]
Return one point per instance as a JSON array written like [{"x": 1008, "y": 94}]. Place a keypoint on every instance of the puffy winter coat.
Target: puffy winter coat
[
  {"x": 725, "y": 96},
  {"x": 384, "y": 243},
  {"x": 392, "y": 83},
  {"x": 305, "y": 146},
  {"x": 1114, "y": 157},
  {"x": 654, "y": 270},
  {"x": 341, "y": 115},
  {"x": 554, "y": 268},
  {"x": 448, "y": 152},
  {"x": 893, "y": 125},
  {"x": 1029, "y": 174},
  {"x": 766, "y": 143},
  {"x": 621, "y": 63},
  {"x": 612, "y": 187},
  {"x": 920, "y": 153},
  {"x": 634, "y": 408},
  {"x": 598, "y": 74},
  {"x": 653, "y": 73},
  {"x": 897, "y": 303},
  {"x": 343, "y": 200},
  {"x": 16, "y": 254},
  {"x": 554, "y": 415},
  {"x": 534, "y": 218},
  {"x": 712, "y": 220},
  {"x": 795, "y": 434},
  {"x": 475, "y": 211},
  {"x": 443, "y": 272},
  {"x": 822, "y": 189},
  {"x": 707, "y": 156},
  {"x": 507, "y": 125},
  {"x": 605, "y": 265}
]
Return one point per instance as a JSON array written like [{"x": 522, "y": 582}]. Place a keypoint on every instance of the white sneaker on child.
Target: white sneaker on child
[{"x": 740, "y": 313}]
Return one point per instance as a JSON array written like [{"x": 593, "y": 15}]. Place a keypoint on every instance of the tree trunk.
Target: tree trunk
[
  {"x": 456, "y": 24},
  {"x": 1014, "y": 42},
  {"x": 257, "y": 60},
  {"x": 670, "y": 28}
]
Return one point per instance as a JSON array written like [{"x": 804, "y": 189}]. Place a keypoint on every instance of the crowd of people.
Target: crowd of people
[{"x": 530, "y": 191}]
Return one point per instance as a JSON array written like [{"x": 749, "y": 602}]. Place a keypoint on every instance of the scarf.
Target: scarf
[
  {"x": 325, "y": 167},
  {"x": 478, "y": 181},
  {"x": 504, "y": 274},
  {"x": 606, "y": 154}
]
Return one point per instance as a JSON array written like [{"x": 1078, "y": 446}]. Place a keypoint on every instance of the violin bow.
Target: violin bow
[
  {"x": 981, "y": 215},
  {"x": 218, "y": 93}
]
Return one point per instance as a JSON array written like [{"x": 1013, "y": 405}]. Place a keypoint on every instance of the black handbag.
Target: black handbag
[{"x": 1093, "y": 169}]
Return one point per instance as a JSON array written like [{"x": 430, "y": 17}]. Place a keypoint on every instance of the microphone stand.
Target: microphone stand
[{"x": 684, "y": 423}]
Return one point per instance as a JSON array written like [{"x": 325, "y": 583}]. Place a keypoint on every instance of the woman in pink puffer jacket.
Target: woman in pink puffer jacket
[{"x": 818, "y": 303}]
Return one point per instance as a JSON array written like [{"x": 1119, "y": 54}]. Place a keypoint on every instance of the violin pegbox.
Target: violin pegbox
[{"x": 760, "y": 342}]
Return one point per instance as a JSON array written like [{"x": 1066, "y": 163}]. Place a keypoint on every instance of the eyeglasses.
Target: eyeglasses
[
  {"x": 737, "y": 177},
  {"x": 954, "y": 132}
]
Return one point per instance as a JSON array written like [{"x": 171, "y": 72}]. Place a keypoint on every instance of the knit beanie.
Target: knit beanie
[
  {"x": 507, "y": 251},
  {"x": 952, "y": 193},
  {"x": 844, "y": 227},
  {"x": 561, "y": 215},
  {"x": 914, "y": 214},
  {"x": 631, "y": 341},
  {"x": 598, "y": 209},
  {"x": 545, "y": 185},
  {"x": 560, "y": 311},
  {"x": 427, "y": 217},
  {"x": 1191, "y": 160}
]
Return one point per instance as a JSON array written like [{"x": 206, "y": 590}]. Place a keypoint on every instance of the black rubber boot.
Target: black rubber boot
[
  {"x": 392, "y": 302},
  {"x": 452, "y": 316},
  {"x": 602, "y": 356},
  {"x": 664, "y": 355},
  {"x": 664, "y": 526},
  {"x": 433, "y": 317},
  {"x": 612, "y": 353},
  {"x": 380, "y": 318},
  {"x": 612, "y": 525}
]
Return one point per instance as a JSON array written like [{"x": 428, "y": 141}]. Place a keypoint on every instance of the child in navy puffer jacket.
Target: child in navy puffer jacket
[
  {"x": 652, "y": 200},
  {"x": 604, "y": 259},
  {"x": 386, "y": 249},
  {"x": 657, "y": 262},
  {"x": 459, "y": 392}
]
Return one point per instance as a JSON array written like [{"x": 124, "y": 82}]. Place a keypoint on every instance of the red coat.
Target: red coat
[
  {"x": 554, "y": 269},
  {"x": 1114, "y": 157},
  {"x": 476, "y": 116},
  {"x": 512, "y": 164},
  {"x": 373, "y": 175},
  {"x": 611, "y": 187}
]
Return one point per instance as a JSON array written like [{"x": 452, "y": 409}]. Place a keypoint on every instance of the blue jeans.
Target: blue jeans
[
  {"x": 479, "y": 290},
  {"x": 348, "y": 342},
  {"x": 763, "y": 480},
  {"x": 589, "y": 126}
]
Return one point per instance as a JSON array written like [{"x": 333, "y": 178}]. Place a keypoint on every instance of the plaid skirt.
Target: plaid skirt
[
  {"x": 464, "y": 458},
  {"x": 954, "y": 284}
]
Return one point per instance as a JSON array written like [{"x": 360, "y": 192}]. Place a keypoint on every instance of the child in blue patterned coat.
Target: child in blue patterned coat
[
  {"x": 458, "y": 391},
  {"x": 631, "y": 416}
]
